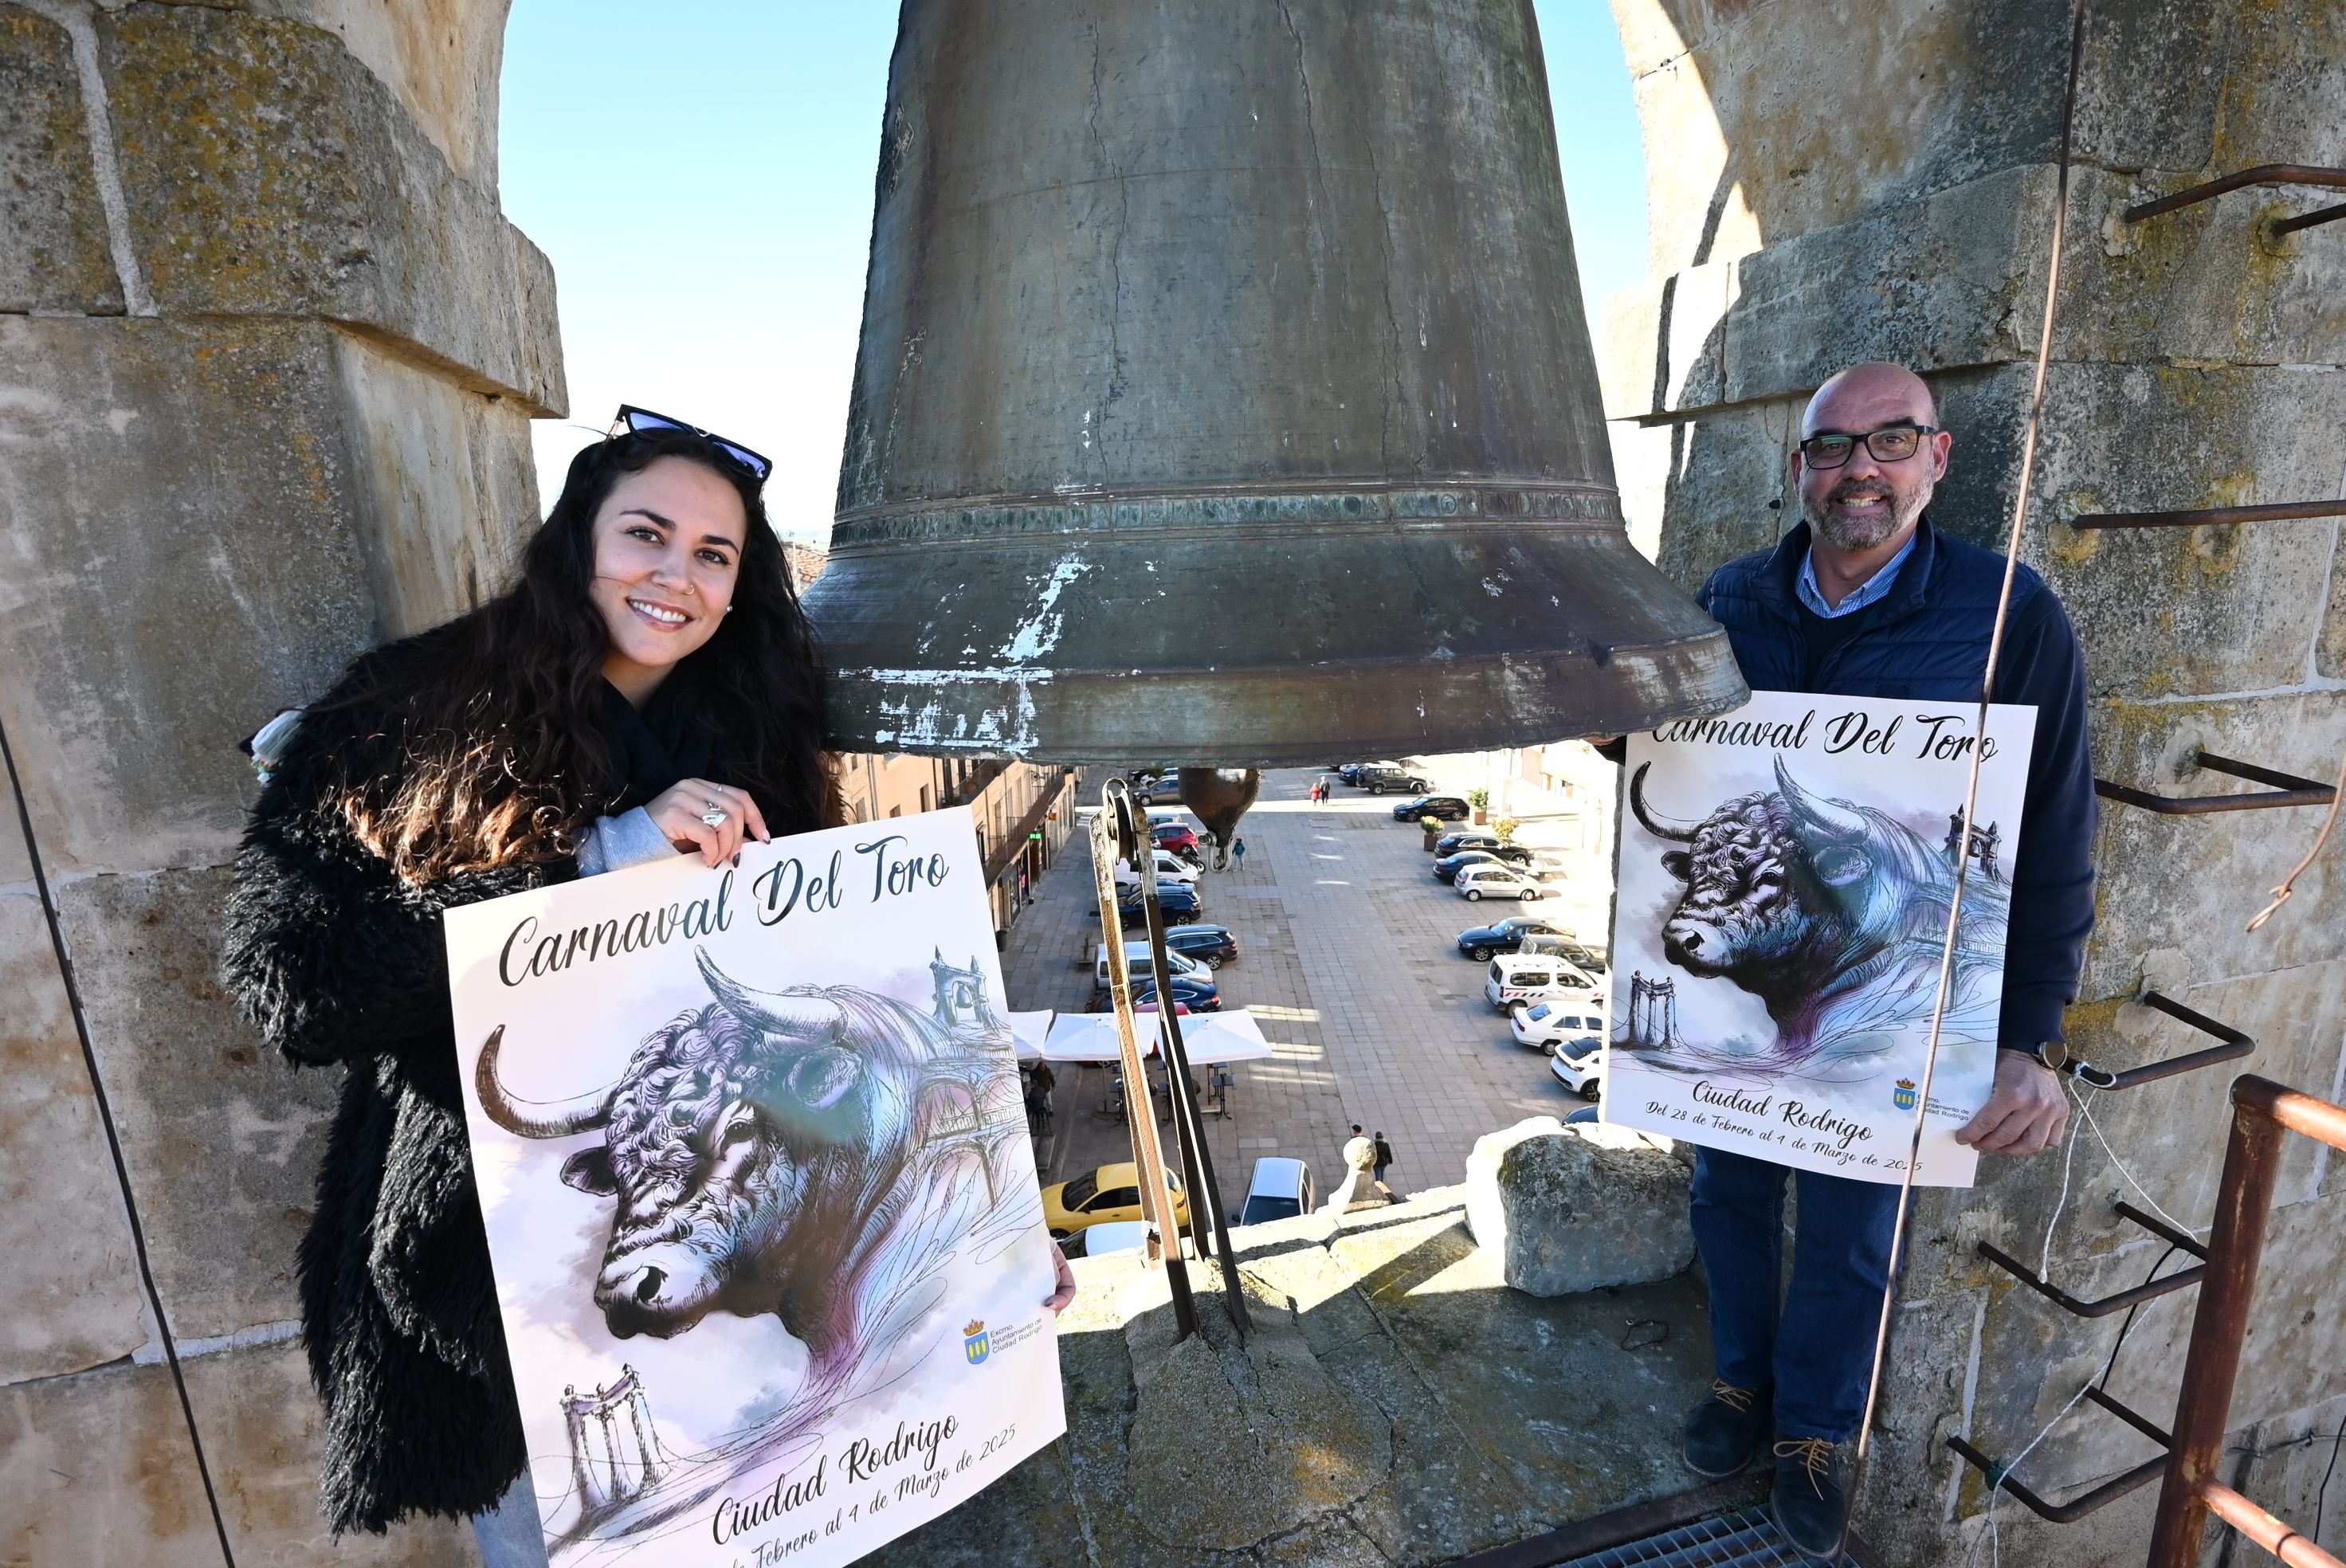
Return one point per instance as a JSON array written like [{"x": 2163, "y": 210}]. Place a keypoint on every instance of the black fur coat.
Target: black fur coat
[{"x": 336, "y": 962}]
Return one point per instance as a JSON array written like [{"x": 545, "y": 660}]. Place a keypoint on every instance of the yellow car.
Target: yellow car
[{"x": 1110, "y": 1193}]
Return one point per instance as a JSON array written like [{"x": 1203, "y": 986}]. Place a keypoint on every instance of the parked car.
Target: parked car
[
  {"x": 1172, "y": 866},
  {"x": 1380, "y": 779},
  {"x": 1137, "y": 963},
  {"x": 1282, "y": 1189},
  {"x": 1212, "y": 946},
  {"x": 1168, "y": 788},
  {"x": 1584, "y": 1116},
  {"x": 1548, "y": 945},
  {"x": 1459, "y": 839},
  {"x": 1579, "y": 1066},
  {"x": 1550, "y": 1027},
  {"x": 1480, "y": 942},
  {"x": 1104, "y": 1196},
  {"x": 1196, "y": 995},
  {"x": 1179, "y": 901},
  {"x": 1179, "y": 838},
  {"x": 1514, "y": 980},
  {"x": 1449, "y": 808},
  {"x": 1496, "y": 882},
  {"x": 1351, "y": 771},
  {"x": 1447, "y": 867},
  {"x": 1111, "y": 1235}
]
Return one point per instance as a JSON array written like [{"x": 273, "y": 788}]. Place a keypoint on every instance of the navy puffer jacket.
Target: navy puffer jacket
[{"x": 1926, "y": 641}]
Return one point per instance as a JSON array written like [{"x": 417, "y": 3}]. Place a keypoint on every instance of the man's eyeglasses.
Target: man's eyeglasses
[
  {"x": 631, "y": 420},
  {"x": 1891, "y": 443}
]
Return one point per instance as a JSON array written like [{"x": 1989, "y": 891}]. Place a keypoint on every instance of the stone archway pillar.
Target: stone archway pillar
[{"x": 268, "y": 352}]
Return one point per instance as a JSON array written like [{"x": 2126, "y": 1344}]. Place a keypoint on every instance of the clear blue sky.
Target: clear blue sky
[{"x": 702, "y": 176}]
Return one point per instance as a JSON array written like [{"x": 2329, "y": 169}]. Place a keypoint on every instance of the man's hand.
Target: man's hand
[{"x": 2025, "y": 1113}]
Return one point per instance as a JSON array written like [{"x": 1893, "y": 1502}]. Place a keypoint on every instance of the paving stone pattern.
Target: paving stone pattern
[{"x": 1347, "y": 958}]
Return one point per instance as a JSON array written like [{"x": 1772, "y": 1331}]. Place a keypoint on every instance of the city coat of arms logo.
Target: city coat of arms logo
[
  {"x": 1903, "y": 1096},
  {"x": 974, "y": 1341}
]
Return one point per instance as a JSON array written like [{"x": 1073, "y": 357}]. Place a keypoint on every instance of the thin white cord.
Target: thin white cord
[
  {"x": 2068, "y": 1164},
  {"x": 1995, "y": 1541},
  {"x": 2089, "y": 1115}
]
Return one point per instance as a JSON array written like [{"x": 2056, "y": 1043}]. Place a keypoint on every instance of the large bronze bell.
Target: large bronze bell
[{"x": 1224, "y": 395}]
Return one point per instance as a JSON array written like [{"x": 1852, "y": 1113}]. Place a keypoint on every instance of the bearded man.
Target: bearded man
[{"x": 1865, "y": 598}]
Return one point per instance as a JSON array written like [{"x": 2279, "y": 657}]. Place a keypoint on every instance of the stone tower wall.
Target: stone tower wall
[
  {"x": 267, "y": 355},
  {"x": 1832, "y": 182}
]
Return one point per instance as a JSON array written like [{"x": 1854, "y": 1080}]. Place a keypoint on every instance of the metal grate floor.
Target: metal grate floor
[{"x": 1746, "y": 1538}]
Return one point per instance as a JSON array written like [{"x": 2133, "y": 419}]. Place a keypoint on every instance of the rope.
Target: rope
[
  {"x": 2281, "y": 895},
  {"x": 1987, "y": 688}
]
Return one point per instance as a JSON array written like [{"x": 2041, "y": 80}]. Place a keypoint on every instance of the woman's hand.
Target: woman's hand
[
  {"x": 1065, "y": 1279},
  {"x": 683, "y": 811}
]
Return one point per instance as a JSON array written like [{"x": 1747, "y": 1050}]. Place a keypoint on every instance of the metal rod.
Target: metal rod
[
  {"x": 2313, "y": 220},
  {"x": 2251, "y": 1521},
  {"x": 2262, "y": 174},
  {"x": 2203, "y": 517},
  {"x": 2289, "y": 788},
  {"x": 2237, "y": 1044},
  {"x": 1111, "y": 834},
  {"x": 2149, "y": 1290},
  {"x": 2077, "y": 1507},
  {"x": 2163, "y": 1231},
  {"x": 1206, "y": 1230},
  {"x": 2140, "y": 1424},
  {"x": 2012, "y": 542},
  {"x": 2213, "y": 1365}
]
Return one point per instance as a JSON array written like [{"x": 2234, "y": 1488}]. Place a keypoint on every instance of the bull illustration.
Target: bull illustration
[
  {"x": 814, "y": 1152},
  {"x": 1831, "y": 913}
]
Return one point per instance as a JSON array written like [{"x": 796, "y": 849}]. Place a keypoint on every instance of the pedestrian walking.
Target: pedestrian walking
[
  {"x": 1385, "y": 1163},
  {"x": 1238, "y": 854}
]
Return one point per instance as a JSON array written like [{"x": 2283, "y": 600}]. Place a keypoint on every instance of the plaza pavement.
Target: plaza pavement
[{"x": 1347, "y": 958}]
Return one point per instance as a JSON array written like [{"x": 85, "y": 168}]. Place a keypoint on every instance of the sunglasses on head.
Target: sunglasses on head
[{"x": 633, "y": 420}]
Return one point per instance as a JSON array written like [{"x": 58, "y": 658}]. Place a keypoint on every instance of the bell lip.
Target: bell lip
[{"x": 1092, "y": 715}]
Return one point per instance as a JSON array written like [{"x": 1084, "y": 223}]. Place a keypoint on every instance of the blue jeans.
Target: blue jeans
[
  {"x": 509, "y": 1534},
  {"x": 1818, "y": 1350}
]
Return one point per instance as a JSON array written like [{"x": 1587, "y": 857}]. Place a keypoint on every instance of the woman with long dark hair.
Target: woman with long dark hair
[{"x": 646, "y": 686}]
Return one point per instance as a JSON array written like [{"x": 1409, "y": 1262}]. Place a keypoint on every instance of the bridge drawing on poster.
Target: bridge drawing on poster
[
  {"x": 1785, "y": 879},
  {"x": 754, "y": 1167}
]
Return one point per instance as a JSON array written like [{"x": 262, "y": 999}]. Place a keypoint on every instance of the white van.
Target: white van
[
  {"x": 1136, "y": 963},
  {"x": 1518, "y": 979}
]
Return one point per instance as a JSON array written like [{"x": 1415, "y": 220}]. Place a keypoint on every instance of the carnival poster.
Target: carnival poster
[
  {"x": 752, "y": 1153},
  {"x": 1785, "y": 876}
]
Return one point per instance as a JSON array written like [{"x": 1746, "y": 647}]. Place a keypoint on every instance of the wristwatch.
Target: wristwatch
[{"x": 2052, "y": 1054}]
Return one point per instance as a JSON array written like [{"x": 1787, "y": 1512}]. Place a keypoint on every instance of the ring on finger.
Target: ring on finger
[{"x": 716, "y": 816}]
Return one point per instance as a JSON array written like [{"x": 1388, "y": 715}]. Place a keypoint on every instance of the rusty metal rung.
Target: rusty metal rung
[
  {"x": 2262, "y": 174},
  {"x": 2205, "y": 516},
  {"x": 2314, "y": 219},
  {"x": 2235, "y": 1044},
  {"x": 2163, "y": 1230},
  {"x": 2077, "y": 1507},
  {"x": 2150, "y": 1290},
  {"x": 2287, "y": 788}
]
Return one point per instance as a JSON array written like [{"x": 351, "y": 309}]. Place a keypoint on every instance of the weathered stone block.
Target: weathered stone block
[
  {"x": 1206, "y": 1404},
  {"x": 2187, "y": 886},
  {"x": 98, "y": 1468},
  {"x": 1568, "y": 1210},
  {"x": 444, "y": 480},
  {"x": 53, "y": 242},
  {"x": 223, "y": 1140},
  {"x": 1700, "y": 489},
  {"x": 176, "y": 512},
  {"x": 70, "y": 1297},
  {"x": 272, "y": 173},
  {"x": 1664, "y": 346},
  {"x": 261, "y": 1424}
]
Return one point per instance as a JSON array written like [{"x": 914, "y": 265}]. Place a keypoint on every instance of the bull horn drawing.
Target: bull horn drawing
[
  {"x": 792, "y": 1015},
  {"x": 1833, "y": 818},
  {"x": 1660, "y": 827},
  {"x": 544, "y": 1118}
]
